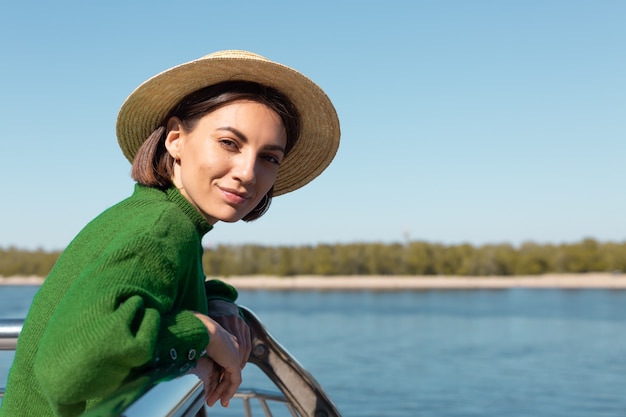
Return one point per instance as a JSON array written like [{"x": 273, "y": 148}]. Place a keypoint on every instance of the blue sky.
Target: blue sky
[{"x": 462, "y": 121}]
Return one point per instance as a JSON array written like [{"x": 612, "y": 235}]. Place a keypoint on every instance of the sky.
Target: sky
[{"x": 480, "y": 122}]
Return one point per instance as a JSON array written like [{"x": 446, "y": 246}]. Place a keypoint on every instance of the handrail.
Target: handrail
[
  {"x": 303, "y": 395},
  {"x": 9, "y": 331},
  {"x": 296, "y": 383}
]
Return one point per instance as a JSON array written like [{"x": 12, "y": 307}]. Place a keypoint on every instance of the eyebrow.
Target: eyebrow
[{"x": 243, "y": 138}]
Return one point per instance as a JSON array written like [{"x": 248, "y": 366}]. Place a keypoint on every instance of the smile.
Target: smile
[{"x": 234, "y": 197}]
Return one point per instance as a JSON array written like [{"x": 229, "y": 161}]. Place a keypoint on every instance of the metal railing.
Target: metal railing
[
  {"x": 299, "y": 392},
  {"x": 9, "y": 331}
]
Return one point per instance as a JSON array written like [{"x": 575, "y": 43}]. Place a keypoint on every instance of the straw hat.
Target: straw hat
[{"x": 149, "y": 104}]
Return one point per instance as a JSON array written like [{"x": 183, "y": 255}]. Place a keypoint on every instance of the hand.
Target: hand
[
  {"x": 227, "y": 315},
  {"x": 224, "y": 350},
  {"x": 209, "y": 373}
]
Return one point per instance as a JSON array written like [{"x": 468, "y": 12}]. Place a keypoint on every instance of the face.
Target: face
[{"x": 229, "y": 160}]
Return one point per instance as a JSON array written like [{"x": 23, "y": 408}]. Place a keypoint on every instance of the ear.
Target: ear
[{"x": 173, "y": 137}]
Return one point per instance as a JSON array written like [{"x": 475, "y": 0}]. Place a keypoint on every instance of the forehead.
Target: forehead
[{"x": 250, "y": 118}]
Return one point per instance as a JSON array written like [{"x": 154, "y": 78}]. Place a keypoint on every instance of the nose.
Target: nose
[{"x": 244, "y": 169}]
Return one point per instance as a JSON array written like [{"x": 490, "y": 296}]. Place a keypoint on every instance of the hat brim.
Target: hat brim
[{"x": 147, "y": 106}]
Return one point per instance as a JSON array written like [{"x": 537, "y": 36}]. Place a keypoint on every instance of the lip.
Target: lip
[{"x": 234, "y": 196}]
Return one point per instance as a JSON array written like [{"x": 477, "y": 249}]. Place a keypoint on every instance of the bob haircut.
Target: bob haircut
[{"x": 153, "y": 166}]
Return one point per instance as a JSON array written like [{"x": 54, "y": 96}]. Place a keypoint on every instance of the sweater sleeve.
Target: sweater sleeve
[
  {"x": 219, "y": 290},
  {"x": 122, "y": 314}
]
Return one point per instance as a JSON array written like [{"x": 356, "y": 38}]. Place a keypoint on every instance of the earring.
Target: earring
[{"x": 265, "y": 205}]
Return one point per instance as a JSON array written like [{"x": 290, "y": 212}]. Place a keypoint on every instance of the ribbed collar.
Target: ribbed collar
[
  {"x": 202, "y": 226},
  {"x": 172, "y": 194}
]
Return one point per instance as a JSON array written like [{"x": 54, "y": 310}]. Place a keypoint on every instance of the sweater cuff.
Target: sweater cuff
[
  {"x": 178, "y": 351},
  {"x": 219, "y": 290}
]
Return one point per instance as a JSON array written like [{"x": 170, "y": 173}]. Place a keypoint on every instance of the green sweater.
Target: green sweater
[{"x": 119, "y": 300}]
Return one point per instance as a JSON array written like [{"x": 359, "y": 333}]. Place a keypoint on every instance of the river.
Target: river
[{"x": 443, "y": 353}]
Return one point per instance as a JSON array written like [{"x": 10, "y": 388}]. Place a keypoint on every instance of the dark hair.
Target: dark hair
[{"x": 153, "y": 166}]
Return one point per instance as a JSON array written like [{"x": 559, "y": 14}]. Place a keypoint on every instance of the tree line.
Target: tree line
[{"x": 411, "y": 258}]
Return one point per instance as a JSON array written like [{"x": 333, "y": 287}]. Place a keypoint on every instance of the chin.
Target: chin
[
  {"x": 230, "y": 220},
  {"x": 230, "y": 217}
]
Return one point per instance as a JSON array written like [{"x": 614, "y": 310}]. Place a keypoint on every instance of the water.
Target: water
[{"x": 467, "y": 353}]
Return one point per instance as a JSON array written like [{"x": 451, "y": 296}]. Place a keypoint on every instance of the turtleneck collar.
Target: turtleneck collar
[{"x": 202, "y": 226}]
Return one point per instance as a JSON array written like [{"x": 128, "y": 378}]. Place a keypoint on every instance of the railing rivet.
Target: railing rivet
[{"x": 260, "y": 350}]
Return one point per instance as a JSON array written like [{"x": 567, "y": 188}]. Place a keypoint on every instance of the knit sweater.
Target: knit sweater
[{"x": 119, "y": 301}]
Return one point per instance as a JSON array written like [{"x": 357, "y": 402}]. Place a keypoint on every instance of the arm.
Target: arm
[{"x": 120, "y": 316}]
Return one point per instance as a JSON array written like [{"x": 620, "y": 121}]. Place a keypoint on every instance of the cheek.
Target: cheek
[
  {"x": 267, "y": 178},
  {"x": 205, "y": 163}
]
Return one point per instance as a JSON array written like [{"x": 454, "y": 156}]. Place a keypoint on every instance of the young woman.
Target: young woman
[{"x": 210, "y": 140}]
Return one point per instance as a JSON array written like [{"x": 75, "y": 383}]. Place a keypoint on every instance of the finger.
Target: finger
[
  {"x": 205, "y": 370},
  {"x": 225, "y": 390},
  {"x": 213, "y": 396},
  {"x": 234, "y": 380},
  {"x": 218, "y": 390},
  {"x": 210, "y": 387}
]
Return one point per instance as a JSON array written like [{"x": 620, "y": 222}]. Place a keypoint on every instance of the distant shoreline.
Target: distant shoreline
[{"x": 398, "y": 283}]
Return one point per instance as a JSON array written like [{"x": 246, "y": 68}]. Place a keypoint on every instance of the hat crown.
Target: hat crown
[{"x": 234, "y": 54}]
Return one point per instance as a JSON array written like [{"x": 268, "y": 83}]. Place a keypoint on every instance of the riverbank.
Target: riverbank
[{"x": 380, "y": 283}]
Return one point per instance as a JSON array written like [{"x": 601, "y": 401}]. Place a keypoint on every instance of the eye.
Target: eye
[
  {"x": 229, "y": 144},
  {"x": 271, "y": 158}
]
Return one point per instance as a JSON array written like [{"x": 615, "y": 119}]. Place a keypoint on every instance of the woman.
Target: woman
[{"x": 210, "y": 140}]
